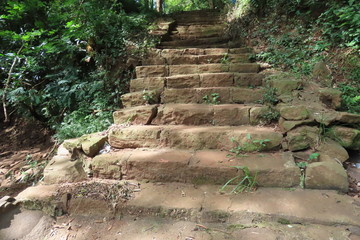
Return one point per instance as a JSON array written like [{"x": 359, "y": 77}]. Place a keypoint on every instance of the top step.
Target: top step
[{"x": 196, "y": 17}]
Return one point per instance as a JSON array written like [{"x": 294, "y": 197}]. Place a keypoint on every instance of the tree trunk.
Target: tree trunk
[{"x": 159, "y": 5}]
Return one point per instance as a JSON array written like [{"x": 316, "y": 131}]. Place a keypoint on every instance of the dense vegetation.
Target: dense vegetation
[
  {"x": 294, "y": 35},
  {"x": 66, "y": 62}
]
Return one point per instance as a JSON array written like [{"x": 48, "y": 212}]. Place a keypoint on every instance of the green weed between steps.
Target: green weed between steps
[
  {"x": 211, "y": 99},
  {"x": 243, "y": 182},
  {"x": 251, "y": 145},
  {"x": 302, "y": 165}
]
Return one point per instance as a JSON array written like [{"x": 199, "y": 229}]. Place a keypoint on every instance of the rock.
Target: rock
[
  {"x": 142, "y": 115},
  {"x": 302, "y": 137},
  {"x": 330, "y": 97},
  {"x": 333, "y": 149},
  {"x": 141, "y": 136},
  {"x": 148, "y": 83},
  {"x": 347, "y": 137},
  {"x": 326, "y": 117},
  {"x": 346, "y": 117},
  {"x": 109, "y": 165},
  {"x": 231, "y": 115},
  {"x": 216, "y": 79},
  {"x": 246, "y": 95},
  {"x": 257, "y": 115},
  {"x": 188, "y": 114},
  {"x": 91, "y": 144},
  {"x": 322, "y": 73},
  {"x": 284, "y": 83},
  {"x": 140, "y": 98},
  {"x": 183, "y": 81},
  {"x": 62, "y": 169},
  {"x": 152, "y": 71},
  {"x": 248, "y": 79},
  {"x": 294, "y": 112},
  {"x": 286, "y": 126},
  {"x": 326, "y": 175}
]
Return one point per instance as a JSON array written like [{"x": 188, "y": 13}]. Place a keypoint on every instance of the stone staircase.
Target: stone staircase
[{"x": 192, "y": 116}]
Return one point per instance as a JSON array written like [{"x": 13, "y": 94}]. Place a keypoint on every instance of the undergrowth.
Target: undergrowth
[{"x": 295, "y": 35}]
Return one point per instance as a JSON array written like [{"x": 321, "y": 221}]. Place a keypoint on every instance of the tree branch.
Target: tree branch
[{"x": 7, "y": 83}]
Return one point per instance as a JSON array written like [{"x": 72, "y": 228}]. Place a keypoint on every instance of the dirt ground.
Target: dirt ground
[
  {"x": 29, "y": 225},
  {"x": 25, "y": 146}
]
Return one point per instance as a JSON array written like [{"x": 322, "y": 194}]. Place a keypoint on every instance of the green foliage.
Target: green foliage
[
  {"x": 341, "y": 23},
  {"x": 314, "y": 156},
  {"x": 189, "y": 5},
  {"x": 270, "y": 96},
  {"x": 65, "y": 74},
  {"x": 242, "y": 183},
  {"x": 351, "y": 89},
  {"x": 250, "y": 145},
  {"x": 211, "y": 99},
  {"x": 270, "y": 116}
]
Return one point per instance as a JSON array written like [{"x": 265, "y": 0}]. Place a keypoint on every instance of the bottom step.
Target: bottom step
[
  {"x": 195, "y": 203},
  {"x": 197, "y": 167}
]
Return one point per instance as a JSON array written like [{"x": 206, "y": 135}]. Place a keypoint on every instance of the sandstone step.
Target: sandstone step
[
  {"x": 171, "y": 70},
  {"x": 198, "y": 80},
  {"x": 294, "y": 208},
  {"x": 190, "y": 114},
  {"x": 218, "y": 95},
  {"x": 198, "y": 167},
  {"x": 246, "y": 138},
  {"x": 200, "y": 51},
  {"x": 197, "y": 59},
  {"x": 228, "y": 44},
  {"x": 214, "y": 95},
  {"x": 195, "y": 42}
]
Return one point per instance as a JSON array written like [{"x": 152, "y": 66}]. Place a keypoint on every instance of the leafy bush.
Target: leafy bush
[{"x": 65, "y": 53}]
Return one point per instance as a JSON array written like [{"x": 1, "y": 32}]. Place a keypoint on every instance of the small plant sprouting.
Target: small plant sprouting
[
  {"x": 247, "y": 182},
  {"x": 148, "y": 97},
  {"x": 211, "y": 99},
  {"x": 249, "y": 146},
  {"x": 225, "y": 59},
  {"x": 314, "y": 156}
]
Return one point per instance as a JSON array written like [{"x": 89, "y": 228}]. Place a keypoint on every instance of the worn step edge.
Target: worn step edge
[
  {"x": 205, "y": 204},
  {"x": 197, "y": 167},
  {"x": 250, "y": 138},
  {"x": 198, "y": 41},
  {"x": 199, "y": 51},
  {"x": 192, "y": 114},
  {"x": 196, "y": 59},
  {"x": 171, "y": 70},
  {"x": 226, "y": 95},
  {"x": 204, "y": 80}
]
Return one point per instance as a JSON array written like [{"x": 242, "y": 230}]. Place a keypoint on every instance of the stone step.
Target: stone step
[
  {"x": 228, "y": 44},
  {"x": 204, "y": 204},
  {"x": 171, "y": 70},
  {"x": 195, "y": 42},
  {"x": 197, "y": 167},
  {"x": 197, "y": 59},
  {"x": 198, "y": 51},
  {"x": 214, "y": 95},
  {"x": 248, "y": 138},
  {"x": 190, "y": 114},
  {"x": 198, "y": 28},
  {"x": 198, "y": 80}
]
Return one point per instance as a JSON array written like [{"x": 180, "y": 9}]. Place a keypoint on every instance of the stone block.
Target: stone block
[
  {"x": 246, "y": 95},
  {"x": 248, "y": 79},
  {"x": 216, "y": 80},
  {"x": 330, "y": 97},
  {"x": 326, "y": 175},
  {"x": 347, "y": 137},
  {"x": 142, "y": 115},
  {"x": 294, "y": 112},
  {"x": 183, "y": 81}
]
